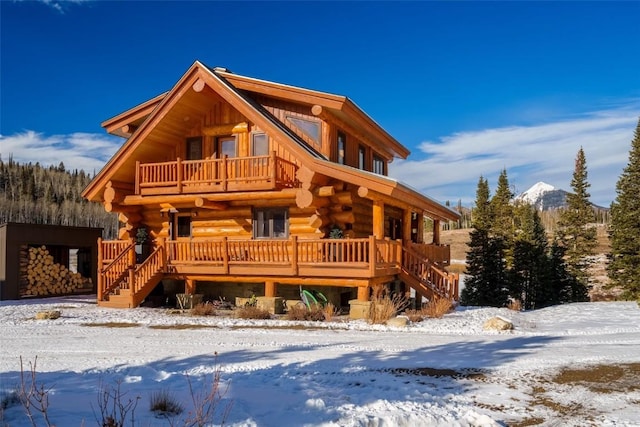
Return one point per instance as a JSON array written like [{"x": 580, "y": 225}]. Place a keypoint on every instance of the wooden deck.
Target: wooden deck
[
  {"x": 264, "y": 260},
  {"x": 215, "y": 175}
]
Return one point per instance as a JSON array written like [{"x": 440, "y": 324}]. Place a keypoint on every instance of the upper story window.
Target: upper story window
[
  {"x": 378, "y": 165},
  {"x": 259, "y": 144},
  {"x": 194, "y": 148},
  {"x": 270, "y": 223},
  {"x": 342, "y": 147},
  {"x": 362, "y": 164},
  {"x": 227, "y": 146},
  {"x": 308, "y": 127}
]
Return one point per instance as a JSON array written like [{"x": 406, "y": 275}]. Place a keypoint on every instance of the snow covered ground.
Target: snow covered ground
[{"x": 342, "y": 373}]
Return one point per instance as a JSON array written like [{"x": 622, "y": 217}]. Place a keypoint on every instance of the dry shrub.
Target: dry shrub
[
  {"x": 384, "y": 308},
  {"x": 415, "y": 316},
  {"x": 251, "y": 312},
  {"x": 437, "y": 307},
  {"x": 203, "y": 309},
  {"x": 330, "y": 311},
  {"x": 515, "y": 305},
  {"x": 164, "y": 404},
  {"x": 301, "y": 312}
]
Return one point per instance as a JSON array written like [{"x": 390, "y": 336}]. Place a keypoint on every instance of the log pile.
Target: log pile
[{"x": 41, "y": 276}]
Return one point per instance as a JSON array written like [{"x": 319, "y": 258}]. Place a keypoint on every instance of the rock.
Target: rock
[
  {"x": 497, "y": 324},
  {"x": 398, "y": 322},
  {"x": 48, "y": 315}
]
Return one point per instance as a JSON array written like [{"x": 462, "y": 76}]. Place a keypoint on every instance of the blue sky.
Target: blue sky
[{"x": 470, "y": 87}]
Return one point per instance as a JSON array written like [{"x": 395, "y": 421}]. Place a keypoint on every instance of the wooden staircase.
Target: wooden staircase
[
  {"x": 427, "y": 279},
  {"x": 125, "y": 283}
]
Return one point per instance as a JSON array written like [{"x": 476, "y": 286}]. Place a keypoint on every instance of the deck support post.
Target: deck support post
[
  {"x": 100, "y": 266},
  {"x": 378, "y": 219},
  {"x": 363, "y": 293},
  {"x": 436, "y": 231},
  {"x": 270, "y": 289},
  {"x": 189, "y": 286},
  {"x": 406, "y": 226}
]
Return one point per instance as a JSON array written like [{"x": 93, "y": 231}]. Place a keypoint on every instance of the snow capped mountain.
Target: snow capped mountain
[
  {"x": 535, "y": 192},
  {"x": 543, "y": 196}
]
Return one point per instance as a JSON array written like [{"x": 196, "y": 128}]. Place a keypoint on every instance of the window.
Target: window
[
  {"x": 378, "y": 165},
  {"x": 342, "y": 146},
  {"x": 194, "y": 148},
  {"x": 308, "y": 127},
  {"x": 361, "y": 158},
  {"x": 227, "y": 147},
  {"x": 259, "y": 144},
  {"x": 183, "y": 226},
  {"x": 270, "y": 223}
]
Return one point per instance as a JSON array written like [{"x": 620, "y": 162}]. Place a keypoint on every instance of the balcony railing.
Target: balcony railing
[{"x": 268, "y": 172}]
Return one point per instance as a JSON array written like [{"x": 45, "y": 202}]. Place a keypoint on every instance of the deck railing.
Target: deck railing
[
  {"x": 211, "y": 175},
  {"x": 367, "y": 257},
  {"x": 438, "y": 254}
]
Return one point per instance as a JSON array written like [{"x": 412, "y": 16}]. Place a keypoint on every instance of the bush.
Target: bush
[
  {"x": 384, "y": 308},
  {"x": 330, "y": 311},
  {"x": 515, "y": 305},
  {"x": 251, "y": 312},
  {"x": 165, "y": 404},
  {"x": 437, "y": 307},
  {"x": 203, "y": 309},
  {"x": 300, "y": 312},
  {"x": 415, "y": 316}
]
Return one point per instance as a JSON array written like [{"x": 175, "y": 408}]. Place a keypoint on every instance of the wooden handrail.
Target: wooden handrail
[
  {"x": 440, "y": 282},
  {"x": 215, "y": 174}
]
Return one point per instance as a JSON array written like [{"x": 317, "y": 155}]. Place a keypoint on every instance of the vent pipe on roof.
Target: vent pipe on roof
[{"x": 222, "y": 70}]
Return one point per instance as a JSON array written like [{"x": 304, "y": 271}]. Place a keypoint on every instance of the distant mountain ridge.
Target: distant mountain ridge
[{"x": 546, "y": 197}]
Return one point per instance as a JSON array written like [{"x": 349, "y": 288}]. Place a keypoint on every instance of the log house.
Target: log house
[{"x": 238, "y": 180}]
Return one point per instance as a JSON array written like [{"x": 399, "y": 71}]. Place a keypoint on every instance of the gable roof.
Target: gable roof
[{"x": 170, "y": 112}]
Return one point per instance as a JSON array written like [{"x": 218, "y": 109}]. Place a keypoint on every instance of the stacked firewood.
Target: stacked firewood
[{"x": 41, "y": 276}]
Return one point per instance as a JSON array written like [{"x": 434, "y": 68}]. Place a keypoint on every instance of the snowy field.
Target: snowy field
[{"x": 446, "y": 372}]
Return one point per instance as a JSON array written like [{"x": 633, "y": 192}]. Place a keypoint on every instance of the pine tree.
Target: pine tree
[
  {"x": 562, "y": 286},
  {"x": 487, "y": 280},
  {"x": 529, "y": 275},
  {"x": 503, "y": 218},
  {"x": 624, "y": 262},
  {"x": 576, "y": 230}
]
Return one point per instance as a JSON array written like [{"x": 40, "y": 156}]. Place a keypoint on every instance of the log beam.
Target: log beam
[
  {"x": 226, "y": 129},
  {"x": 305, "y": 199},
  {"x": 199, "y": 85},
  {"x": 207, "y": 204}
]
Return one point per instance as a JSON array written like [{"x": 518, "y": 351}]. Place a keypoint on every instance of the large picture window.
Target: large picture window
[{"x": 271, "y": 223}]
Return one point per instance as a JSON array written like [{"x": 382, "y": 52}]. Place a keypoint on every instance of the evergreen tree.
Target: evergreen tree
[
  {"x": 529, "y": 275},
  {"x": 624, "y": 262},
  {"x": 503, "y": 216},
  {"x": 576, "y": 231},
  {"x": 563, "y": 287},
  {"x": 487, "y": 280}
]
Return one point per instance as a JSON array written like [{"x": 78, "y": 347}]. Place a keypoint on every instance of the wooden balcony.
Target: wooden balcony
[{"x": 253, "y": 173}]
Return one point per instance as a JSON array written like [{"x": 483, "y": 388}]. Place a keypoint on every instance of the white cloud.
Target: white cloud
[
  {"x": 448, "y": 169},
  {"x": 85, "y": 151},
  {"x": 58, "y": 5}
]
